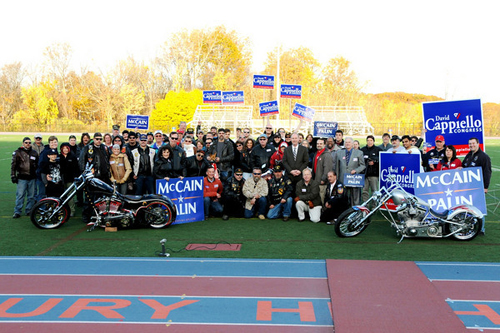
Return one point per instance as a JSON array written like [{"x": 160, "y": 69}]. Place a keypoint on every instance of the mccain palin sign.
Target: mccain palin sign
[
  {"x": 137, "y": 122},
  {"x": 186, "y": 194},
  {"x": 457, "y": 121},
  {"x": 443, "y": 190},
  {"x": 325, "y": 129}
]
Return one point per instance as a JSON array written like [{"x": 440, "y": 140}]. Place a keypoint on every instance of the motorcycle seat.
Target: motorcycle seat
[
  {"x": 442, "y": 215},
  {"x": 133, "y": 197}
]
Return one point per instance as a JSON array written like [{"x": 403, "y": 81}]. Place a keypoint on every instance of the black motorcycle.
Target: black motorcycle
[{"x": 111, "y": 208}]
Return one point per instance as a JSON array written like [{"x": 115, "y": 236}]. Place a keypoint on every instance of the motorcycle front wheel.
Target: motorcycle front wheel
[
  {"x": 158, "y": 215},
  {"x": 347, "y": 223},
  {"x": 470, "y": 225},
  {"x": 41, "y": 214}
]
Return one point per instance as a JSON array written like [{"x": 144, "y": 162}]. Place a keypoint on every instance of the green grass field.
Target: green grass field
[{"x": 259, "y": 239}]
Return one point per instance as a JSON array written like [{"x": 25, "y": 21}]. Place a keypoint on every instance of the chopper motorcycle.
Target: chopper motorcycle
[
  {"x": 111, "y": 208},
  {"x": 413, "y": 216}
]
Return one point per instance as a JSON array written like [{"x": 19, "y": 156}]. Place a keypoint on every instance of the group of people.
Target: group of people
[{"x": 277, "y": 175}]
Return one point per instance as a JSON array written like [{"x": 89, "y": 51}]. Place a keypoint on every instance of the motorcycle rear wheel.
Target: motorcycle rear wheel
[
  {"x": 471, "y": 223},
  {"x": 158, "y": 215},
  {"x": 344, "y": 227},
  {"x": 41, "y": 211}
]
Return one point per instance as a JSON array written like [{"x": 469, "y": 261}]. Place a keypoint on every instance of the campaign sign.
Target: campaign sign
[
  {"x": 263, "y": 81},
  {"x": 402, "y": 165},
  {"x": 325, "y": 129},
  {"x": 233, "y": 97},
  {"x": 445, "y": 189},
  {"x": 187, "y": 195},
  {"x": 456, "y": 121},
  {"x": 268, "y": 108},
  {"x": 291, "y": 91},
  {"x": 356, "y": 180},
  {"x": 303, "y": 112},
  {"x": 212, "y": 96},
  {"x": 136, "y": 121}
]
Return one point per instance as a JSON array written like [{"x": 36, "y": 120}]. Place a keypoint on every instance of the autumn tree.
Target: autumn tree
[
  {"x": 57, "y": 59},
  {"x": 11, "y": 79},
  {"x": 174, "y": 108},
  {"x": 341, "y": 86},
  {"x": 39, "y": 109}
]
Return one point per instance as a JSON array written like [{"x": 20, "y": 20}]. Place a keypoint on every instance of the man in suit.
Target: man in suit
[
  {"x": 295, "y": 160},
  {"x": 349, "y": 161}
]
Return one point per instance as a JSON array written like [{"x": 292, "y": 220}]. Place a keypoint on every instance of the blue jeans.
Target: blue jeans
[
  {"x": 25, "y": 188},
  {"x": 40, "y": 190},
  {"x": 281, "y": 209},
  {"x": 260, "y": 205},
  {"x": 145, "y": 184},
  {"x": 214, "y": 206}
]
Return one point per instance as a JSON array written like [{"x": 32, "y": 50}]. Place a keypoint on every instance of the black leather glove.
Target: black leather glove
[{"x": 14, "y": 179}]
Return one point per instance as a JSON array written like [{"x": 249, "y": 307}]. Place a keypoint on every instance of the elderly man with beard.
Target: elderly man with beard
[{"x": 255, "y": 190}]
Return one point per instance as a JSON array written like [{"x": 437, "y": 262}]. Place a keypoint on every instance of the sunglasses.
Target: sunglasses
[
  {"x": 246, "y": 132},
  {"x": 27, "y": 143},
  {"x": 38, "y": 138},
  {"x": 238, "y": 174},
  {"x": 257, "y": 173},
  {"x": 98, "y": 139},
  {"x": 200, "y": 154},
  {"x": 262, "y": 139},
  {"x": 269, "y": 128},
  {"x": 159, "y": 136},
  {"x": 174, "y": 139}
]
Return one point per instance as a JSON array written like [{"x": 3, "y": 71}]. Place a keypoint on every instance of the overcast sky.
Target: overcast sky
[{"x": 443, "y": 48}]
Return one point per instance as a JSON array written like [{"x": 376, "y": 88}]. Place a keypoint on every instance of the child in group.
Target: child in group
[{"x": 51, "y": 175}]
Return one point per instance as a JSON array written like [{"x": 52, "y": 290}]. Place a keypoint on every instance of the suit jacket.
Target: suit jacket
[
  {"x": 324, "y": 165},
  {"x": 356, "y": 162},
  {"x": 298, "y": 164}
]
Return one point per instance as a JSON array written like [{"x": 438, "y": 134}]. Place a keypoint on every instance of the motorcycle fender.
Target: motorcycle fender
[
  {"x": 361, "y": 208},
  {"x": 464, "y": 209}
]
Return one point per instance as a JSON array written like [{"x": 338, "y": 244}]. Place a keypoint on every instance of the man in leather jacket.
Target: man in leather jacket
[
  {"x": 280, "y": 195},
  {"x": 232, "y": 197},
  {"x": 197, "y": 165},
  {"x": 23, "y": 173}
]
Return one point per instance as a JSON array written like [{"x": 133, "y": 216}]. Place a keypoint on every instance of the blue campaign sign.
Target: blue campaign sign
[
  {"x": 263, "y": 81},
  {"x": 356, "y": 180},
  {"x": 303, "y": 112},
  {"x": 325, "y": 129},
  {"x": 268, "y": 108},
  {"x": 187, "y": 195},
  {"x": 291, "y": 91},
  {"x": 233, "y": 97},
  {"x": 402, "y": 165},
  {"x": 456, "y": 121},
  {"x": 449, "y": 188},
  {"x": 136, "y": 121},
  {"x": 212, "y": 96}
]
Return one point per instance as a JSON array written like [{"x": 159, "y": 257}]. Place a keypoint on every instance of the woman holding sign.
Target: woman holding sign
[{"x": 450, "y": 160}]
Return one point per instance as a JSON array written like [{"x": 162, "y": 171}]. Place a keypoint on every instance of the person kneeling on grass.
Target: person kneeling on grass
[
  {"x": 335, "y": 199},
  {"x": 232, "y": 197},
  {"x": 280, "y": 195},
  {"x": 255, "y": 190},
  {"x": 212, "y": 192},
  {"x": 307, "y": 197}
]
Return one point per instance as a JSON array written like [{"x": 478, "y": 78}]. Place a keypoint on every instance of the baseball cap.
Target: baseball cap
[
  {"x": 116, "y": 127},
  {"x": 238, "y": 170},
  {"x": 395, "y": 137},
  {"x": 52, "y": 152},
  {"x": 158, "y": 132},
  {"x": 440, "y": 138},
  {"x": 278, "y": 168},
  {"x": 144, "y": 137},
  {"x": 262, "y": 136},
  {"x": 38, "y": 135}
]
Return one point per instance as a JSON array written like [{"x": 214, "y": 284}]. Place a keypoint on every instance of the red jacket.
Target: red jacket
[
  {"x": 210, "y": 189},
  {"x": 448, "y": 166}
]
